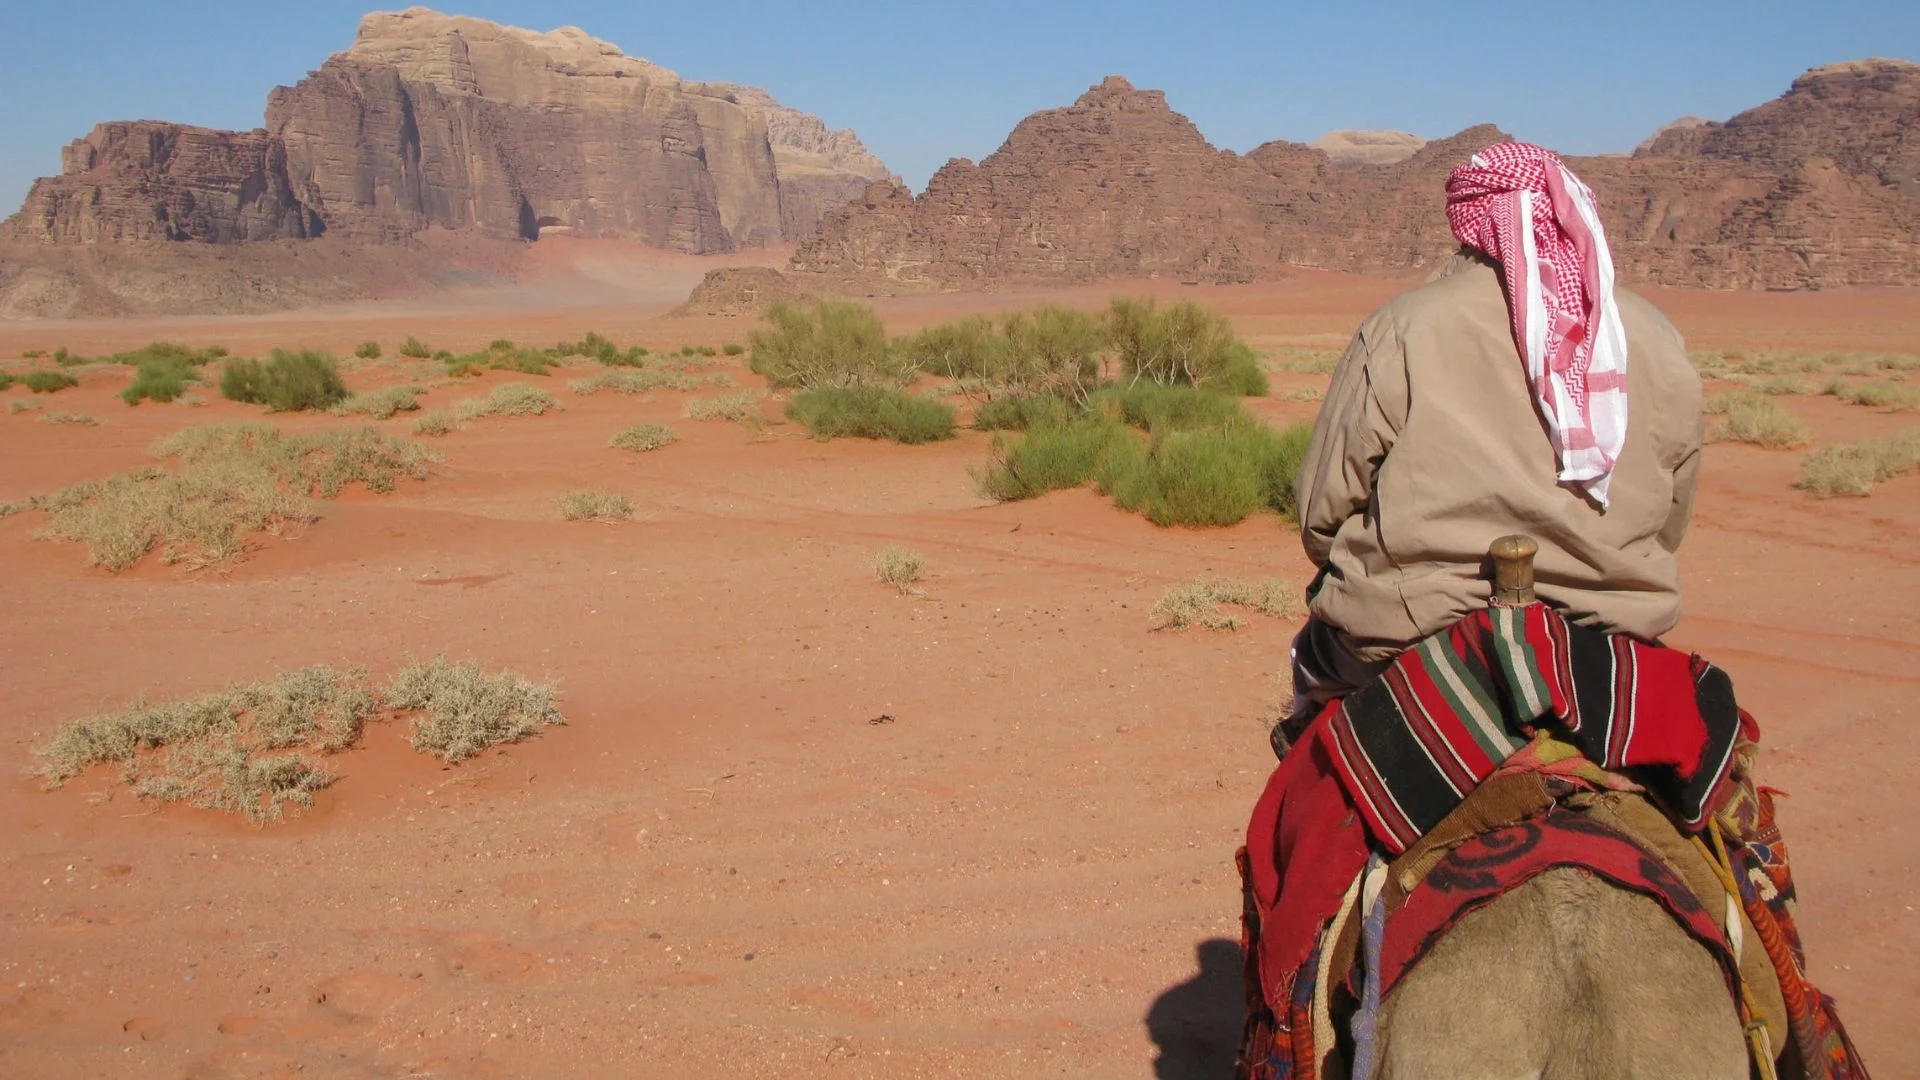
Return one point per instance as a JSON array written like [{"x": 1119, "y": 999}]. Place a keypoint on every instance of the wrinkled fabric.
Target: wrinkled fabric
[{"x": 1521, "y": 206}]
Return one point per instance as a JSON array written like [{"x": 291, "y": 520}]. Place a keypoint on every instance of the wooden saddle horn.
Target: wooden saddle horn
[{"x": 1513, "y": 569}]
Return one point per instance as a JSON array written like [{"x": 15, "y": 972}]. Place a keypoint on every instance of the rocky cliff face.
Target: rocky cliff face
[
  {"x": 439, "y": 121},
  {"x": 1818, "y": 188}
]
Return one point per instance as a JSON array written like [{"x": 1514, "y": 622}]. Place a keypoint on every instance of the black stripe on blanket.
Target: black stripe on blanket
[{"x": 1380, "y": 727}]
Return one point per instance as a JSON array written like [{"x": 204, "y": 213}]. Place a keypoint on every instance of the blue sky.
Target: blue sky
[{"x": 922, "y": 83}]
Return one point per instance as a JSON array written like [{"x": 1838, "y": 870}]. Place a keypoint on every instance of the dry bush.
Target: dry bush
[
  {"x": 507, "y": 399},
  {"x": 1305, "y": 393},
  {"x": 233, "y": 479},
  {"x": 1754, "y": 418},
  {"x": 465, "y": 710},
  {"x": 379, "y": 404},
  {"x": 899, "y": 567},
  {"x": 68, "y": 418},
  {"x": 643, "y": 437},
  {"x": 248, "y": 749},
  {"x": 1303, "y": 361},
  {"x": 642, "y": 380},
  {"x": 595, "y": 506},
  {"x": 744, "y": 405},
  {"x": 1200, "y": 601},
  {"x": 1892, "y": 397},
  {"x": 1855, "y": 468},
  {"x": 21, "y": 405}
]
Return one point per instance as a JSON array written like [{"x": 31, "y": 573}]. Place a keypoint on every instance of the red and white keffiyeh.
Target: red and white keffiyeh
[{"x": 1523, "y": 207}]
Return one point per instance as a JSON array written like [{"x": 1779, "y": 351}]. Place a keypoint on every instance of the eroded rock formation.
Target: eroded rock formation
[
  {"x": 439, "y": 121},
  {"x": 1820, "y": 187}
]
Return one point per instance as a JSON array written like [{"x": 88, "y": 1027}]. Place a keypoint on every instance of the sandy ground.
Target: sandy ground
[{"x": 723, "y": 865}]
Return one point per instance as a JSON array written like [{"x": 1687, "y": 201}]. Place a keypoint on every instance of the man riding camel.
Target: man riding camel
[{"x": 1435, "y": 436}]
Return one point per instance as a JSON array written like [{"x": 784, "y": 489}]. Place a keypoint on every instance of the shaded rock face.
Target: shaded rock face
[
  {"x": 1817, "y": 188},
  {"x": 438, "y": 121}
]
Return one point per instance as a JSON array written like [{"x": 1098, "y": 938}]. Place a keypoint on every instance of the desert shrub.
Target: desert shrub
[
  {"x": 68, "y": 418},
  {"x": 744, "y": 405},
  {"x": 643, "y": 437},
  {"x": 1158, "y": 409},
  {"x": 48, "y": 382},
  {"x": 62, "y": 356},
  {"x": 594, "y": 506},
  {"x": 1305, "y": 393},
  {"x": 368, "y": 350},
  {"x": 18, "y": 406},
  {"x": 632, "y": 381},
  {"x": 871, "y": 412},
  {"x": 899, "y": 567},
  {"x": 465, "y": 710},
  {"x": 159, "y": 380},
  {"x": 1185, "y": 343},
  {"x": 971, "y": 347},
  {"x": 1022, "y": 412},
  {"x": 602, "y": 350},
  {"x": 1051, "y": 348},
  {"x": 232, "y": 480},
  {"x": 1878, "y": 395},
  {"x": 1048, "y": 459},
  {"x": 170, "y": 352},
  {"x": 733, "y": 348},
  {"x": 507, "y": 399},
  {"x": 1207, "y": 476},
  {"x": 7, "y": 380},
  {"x": 415, "y": 349},
  {"x": 32, "y": 354},
  {"x": 1301, "y": 361},
  {"x": 1754, "y": 418},
  {"x": 287, "y": 382},
  {"x": 379, "y": 404},
  {"x": 836, "y": 343},
  {"x": 1201, "y": 601},
  {"x": 1855, "y": 468},
  {"x": 502, "y": 355}
]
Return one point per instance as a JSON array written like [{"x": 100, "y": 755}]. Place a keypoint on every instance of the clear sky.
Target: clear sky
[{"x": 925, "y": 82}]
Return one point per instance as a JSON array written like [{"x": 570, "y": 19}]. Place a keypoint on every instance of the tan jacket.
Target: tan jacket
[{"x": 1429, "y": 445}]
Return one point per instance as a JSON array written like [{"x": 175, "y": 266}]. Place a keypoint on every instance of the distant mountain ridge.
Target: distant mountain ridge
[{"x": 1820, "y": 187}]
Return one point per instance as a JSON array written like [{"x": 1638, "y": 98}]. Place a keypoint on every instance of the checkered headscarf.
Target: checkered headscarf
[{"x": 1519, "y": 204}]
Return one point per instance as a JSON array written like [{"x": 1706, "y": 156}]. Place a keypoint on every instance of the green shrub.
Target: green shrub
[
  {"x": 1185, "y": 343},
  {"x": 643, "y": 437},
  {"x": 733, "y": 348},
  {"x": 502, "y": 355},
  {"x": 1048, "y": 459},
  {"x": 6, "y": 380},
  {"x": 1158, "y": 409},
  {"x": 62, "y": 356},
  {"x": 1855, "y": 468},
  {"x": 837, "y": 343},
  {"x": 601, "y": 350},
  {"x": 967, "y": 348},
  {"x": 595, "y": 506},
  {"x": 368, "y": 350},
  {"x": 1022, "y": 412},
  {"x": 48, "y": 382},
  {"x": 287, "y": 382},
  {"x": 160, "y": 380},
  {"x": 871, "y": 412},
  {"x": 33, "y": 354},
  {"x": 415, "y": 349}
]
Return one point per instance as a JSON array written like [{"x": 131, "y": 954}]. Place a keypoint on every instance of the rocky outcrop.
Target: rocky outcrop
[
  {"x": 441, "y": 121},
  {"x": 741, "y": 290},
  {"x": 1820, "y": 187}
]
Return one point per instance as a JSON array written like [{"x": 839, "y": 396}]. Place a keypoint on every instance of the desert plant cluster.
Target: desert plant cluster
[{"x": 256, "y": 748}]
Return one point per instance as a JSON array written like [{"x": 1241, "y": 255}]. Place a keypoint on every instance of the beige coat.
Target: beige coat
[{"x": 1429, "y": 445}]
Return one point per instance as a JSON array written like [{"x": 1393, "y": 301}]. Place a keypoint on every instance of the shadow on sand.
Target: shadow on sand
[{"x": 1196, "y": 1024}]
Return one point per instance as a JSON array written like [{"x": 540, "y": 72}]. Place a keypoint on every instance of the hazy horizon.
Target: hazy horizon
[{"x": 922, "y": 85}]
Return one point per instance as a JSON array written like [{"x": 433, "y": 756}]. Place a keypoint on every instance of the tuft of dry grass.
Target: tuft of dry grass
[
  {"x": 643, "y": 437},
  {"x": 254, "y": 748},
  {"x": 744, "y": 405},
  {"x": 507, "y": 399},
  {"x": 1201, "y": 602},
  {"x": 465, "y": 710},
  {"x": 1855, "y": 468},
  {"x": 629, "y": 380},
  {"x": 232, "y": 480},
  {"x": 899, "y": 567},
  {"x": 21, "y": 405},
  {"x": 584, "y": 505},
  {"x": 1305, "y": 393},
  {"x": 67, "y": 418},
  {"x": 379, "y": 404},
  {"x": 1749, "y": 417},
  {"x": 1892, "y": 397}
]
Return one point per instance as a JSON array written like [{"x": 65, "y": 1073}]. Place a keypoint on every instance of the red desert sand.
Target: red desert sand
[{"x": 723, "y": 865}]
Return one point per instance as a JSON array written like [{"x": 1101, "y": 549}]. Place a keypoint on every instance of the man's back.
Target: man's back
[{"x": 1430, "y": 444}]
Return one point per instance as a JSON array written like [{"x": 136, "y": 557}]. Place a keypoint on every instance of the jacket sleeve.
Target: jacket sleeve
[
  {"x": 1365, "y": 407},
  {"x": 1686, "y": 477}
]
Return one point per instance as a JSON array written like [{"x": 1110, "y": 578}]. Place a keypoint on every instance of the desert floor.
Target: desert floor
[{"x": 721, "y": 865}]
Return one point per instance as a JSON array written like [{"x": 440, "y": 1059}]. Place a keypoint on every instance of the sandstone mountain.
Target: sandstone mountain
[
  {"x": 1368, "y": 147},
  {"x": 435, "y": 121},
  {"x": 1820, "y": 187}
]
